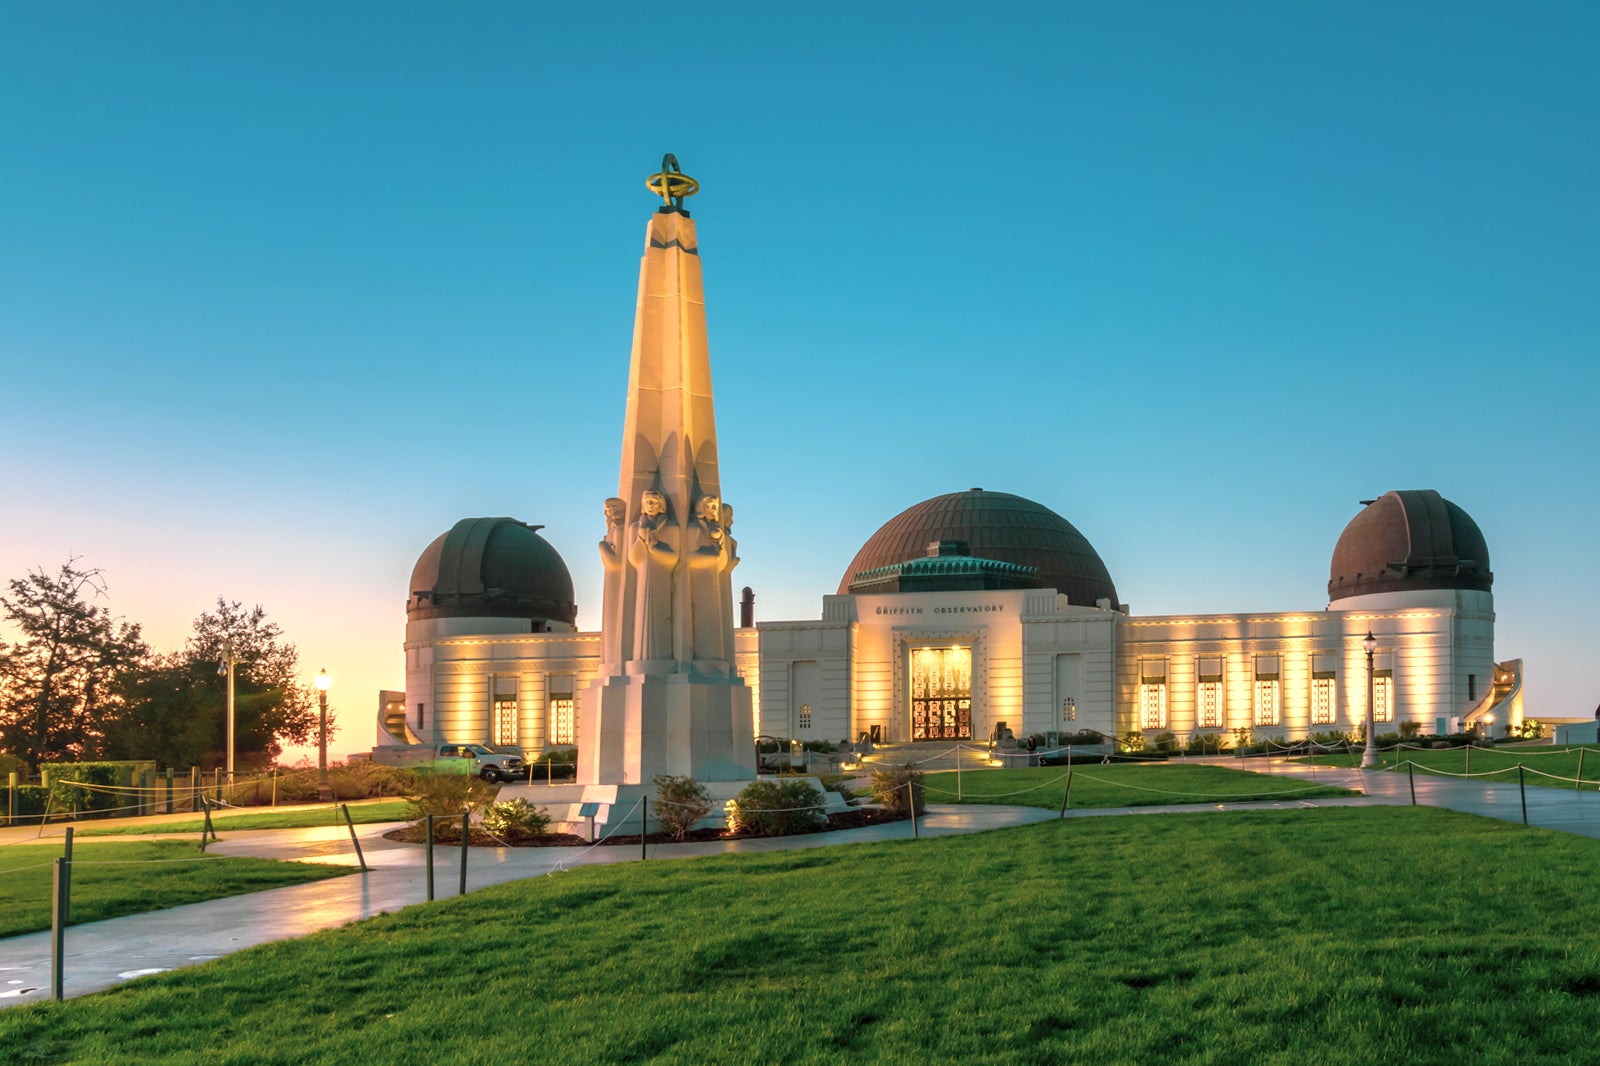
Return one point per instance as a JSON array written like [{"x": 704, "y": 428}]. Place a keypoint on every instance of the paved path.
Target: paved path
[{"x": 102, "y": 954}]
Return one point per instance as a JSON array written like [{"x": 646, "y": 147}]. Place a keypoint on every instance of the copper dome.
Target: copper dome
[
  {"x": 1407, "y": 541},
  {"x": 491, "y": 568},
  {"x": 993, "y": 525}
]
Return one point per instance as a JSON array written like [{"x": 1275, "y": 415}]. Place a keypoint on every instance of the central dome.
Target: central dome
[{"x": 993, "y": 525}]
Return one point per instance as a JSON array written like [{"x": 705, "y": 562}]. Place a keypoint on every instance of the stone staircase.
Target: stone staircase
[{"x": 931, "y": 756}]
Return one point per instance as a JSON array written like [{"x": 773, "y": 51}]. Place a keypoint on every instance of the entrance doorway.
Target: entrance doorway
[{"x": 941, "y": 693}]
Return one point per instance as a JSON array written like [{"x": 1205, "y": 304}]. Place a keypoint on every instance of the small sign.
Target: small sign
[{"x": 588, "y": 810}]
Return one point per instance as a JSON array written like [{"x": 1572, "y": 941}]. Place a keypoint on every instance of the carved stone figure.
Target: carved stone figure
[
  {"x": 616, "y": 632},
  {"x": 653, "y": 553},
  {"x": 706, "y": 557},
  {"x": 730, "y": 560}
]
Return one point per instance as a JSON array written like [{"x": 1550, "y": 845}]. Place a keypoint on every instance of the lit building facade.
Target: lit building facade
[{"x": 978, "y": 612}]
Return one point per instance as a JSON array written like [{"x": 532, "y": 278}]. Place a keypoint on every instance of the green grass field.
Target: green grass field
[
  {"x": 361, "y": 814},
  {"x": 1547, "y": 767},
  {"x": 1119, "y": 786},
  {"x": 109, "y": 880},
  {"x": 1337, "y": 935}
]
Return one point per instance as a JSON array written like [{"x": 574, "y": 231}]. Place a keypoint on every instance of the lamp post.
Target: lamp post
[
  {"x": 1369, "y": 757},
  {"x": 225, "y": 669},
  {"x": 323, "y": 681}
]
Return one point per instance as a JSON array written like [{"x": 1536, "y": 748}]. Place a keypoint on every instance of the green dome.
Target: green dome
[{"x": 491, "y": 568}]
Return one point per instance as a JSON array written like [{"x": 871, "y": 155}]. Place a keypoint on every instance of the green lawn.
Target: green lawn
[
  {"x": 1550, "y": 767},
  {"x": 130, "y": 878},
  {"x": 365, "y": 813},
  {"x": 1372, "y": 935},
  {"x": 1119, "y": 786}
]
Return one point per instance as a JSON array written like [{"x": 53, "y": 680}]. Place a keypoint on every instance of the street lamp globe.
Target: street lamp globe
[
  {"x": 1370, "y": 643},
  {"x": 323, "y": 681}
]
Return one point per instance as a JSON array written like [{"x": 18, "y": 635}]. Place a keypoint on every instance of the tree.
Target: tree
[
  {"x": 177, "y": 705},
  {"x": 60, "y": 681}
]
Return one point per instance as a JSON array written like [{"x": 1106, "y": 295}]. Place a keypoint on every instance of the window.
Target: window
[
  {"x": 505, "y": 720},
  {"x": 1383, "y": 696},
  {"x": 1322, "y": 701},
  {"x": 1153, "y": 704},
  {"x": 1069, "y": 710},
  {"x": 1472, "y": 688},
  {"x": 1267, "y": 701},
  {"x": 563, "y": 730},
  {"x": 1152, "y": 693},
  {"x": 805, "y": 716},
  {"x": 1208, "y": 692},
  {"x": 422, "y": 717},
  {"x": 1267, "y": 693},
  {"x": 1209, "y": 698}
]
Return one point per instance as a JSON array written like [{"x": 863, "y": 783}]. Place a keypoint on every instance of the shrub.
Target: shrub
[
  {"x": 1388, "y": 740},
  {"x": 1133, "y": 741},
  {"x": 680, "y": 802},
  {"x": 30, "y": 800},
  {"x": 67, "y": 781},
  {"x": 899, "y": 789},
  {"x": 1331, "y": 739},
  {"x": 1205, "y": 743},
  {"x": 1162, "y": 742},
  {"x": 770, "y": 808},
  {"x": 516, "y": 818},
  {"x": 14, "y": 764},
  {"x": 447, "y": 795}
]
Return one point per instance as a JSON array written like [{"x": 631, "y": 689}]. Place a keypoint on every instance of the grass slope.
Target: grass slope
[
  {"x": 361, "y": 814},
  {"x": 109, "y": 880},
  {"x": 1320, "y": 936},
  {"x": 1119, "y": 786}
]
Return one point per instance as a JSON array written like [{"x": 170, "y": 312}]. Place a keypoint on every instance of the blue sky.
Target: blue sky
[{"x": 288, "y": 290}]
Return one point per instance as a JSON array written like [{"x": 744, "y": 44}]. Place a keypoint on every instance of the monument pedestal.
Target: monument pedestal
[{"x": 636, "y": 725}]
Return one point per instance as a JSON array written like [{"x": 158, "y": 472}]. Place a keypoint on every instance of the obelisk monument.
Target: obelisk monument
[{"x": 667, "y": 699}]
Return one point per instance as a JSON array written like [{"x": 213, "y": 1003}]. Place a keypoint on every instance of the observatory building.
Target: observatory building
[{"x": 968, "y": 616}]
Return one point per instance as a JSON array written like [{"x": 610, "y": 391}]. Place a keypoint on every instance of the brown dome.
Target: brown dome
[
  {"x": 992, "y": 525},
  {"x": 491, "y": 568},
  {"x": 1408, "y": 541}
]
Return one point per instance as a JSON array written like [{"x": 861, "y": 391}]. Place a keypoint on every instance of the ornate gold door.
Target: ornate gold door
[{"x": 941, "y": 693}]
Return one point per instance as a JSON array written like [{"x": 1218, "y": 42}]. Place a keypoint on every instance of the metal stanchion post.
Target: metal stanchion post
[
  {"x": 1066, "y": 796},
  {"x": 169, "y": 790},
  {"x": 60, "y": 900},
  {"x": 644, "y": 829},
  {"x": 362, "y": 859},
  {"x": 1411, "y": 779},
  {"x": 1522, "y": 788},
  {"x": 194, "y": 788},
  {"x": 1578, "y": 784},
  {"x": 11, "y": 798},
  {"x": 428, "y": 854},
  {"x": 911, "y": 801},
  {"x": 466, "y": 838}
]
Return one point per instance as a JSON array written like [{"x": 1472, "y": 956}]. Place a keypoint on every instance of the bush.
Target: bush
[
  {"x": 898, "y": 789},
  {"x": 1331, "y": 739},
  {"x": 680, "y": 802},
  {"x": 447, "y": 795},
  {"x": 1133, "y": 741},
  {"x": 516, "y": 818},
  {"x": 31, "y": 800},
  {"x": 14, "y": 764},
  {"x": 67, "y": 781},
  {"x": 769, "y": 809},
  {"x": 1410, "y": 730},
  {"x": 1205, "y": 743},
  {"x": 1162, "y": 742}
]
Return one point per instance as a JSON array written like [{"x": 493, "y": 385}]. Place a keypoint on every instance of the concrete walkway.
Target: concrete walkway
[
  {"x": 102, "y": 954},
  {"x": 106, "y": 953}
]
